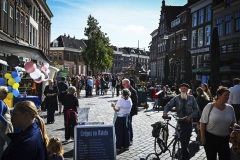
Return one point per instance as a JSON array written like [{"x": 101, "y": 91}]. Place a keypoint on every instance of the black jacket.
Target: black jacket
[{"x": 134, "y": 97}]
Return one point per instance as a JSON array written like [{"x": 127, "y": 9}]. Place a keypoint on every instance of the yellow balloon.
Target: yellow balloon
[
  {"x": 10, "y": 96},
  {"x": 8, "y": 75},
  {"x": 15, "y": 85},
  {"x": 11, "y": 81}
]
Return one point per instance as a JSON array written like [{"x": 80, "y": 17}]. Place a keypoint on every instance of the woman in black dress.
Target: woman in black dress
[
  {"x": 51, "y": 101},
  {"x": 70, "y": 103}
]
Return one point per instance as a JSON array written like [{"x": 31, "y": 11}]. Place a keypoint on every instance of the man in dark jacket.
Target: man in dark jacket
[
  {"x": 134, "y": 109},
  {"x": 62, "y": 88}
]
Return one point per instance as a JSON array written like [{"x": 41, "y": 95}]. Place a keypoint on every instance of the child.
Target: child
[{"x": 55, "y": 149}]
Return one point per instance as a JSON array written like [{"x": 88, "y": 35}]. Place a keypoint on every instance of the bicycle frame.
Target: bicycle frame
[
  {"x": 176, "y": 137},
  {"x": 163, "y": 144}
]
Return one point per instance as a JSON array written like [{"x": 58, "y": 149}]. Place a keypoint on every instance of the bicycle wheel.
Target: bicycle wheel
[
  {"x": 177, "y": 150},
  {"x": 152, "y": 156}
]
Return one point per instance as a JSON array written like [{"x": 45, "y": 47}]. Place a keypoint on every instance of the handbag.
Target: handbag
[{"x": 198, "y": 138}]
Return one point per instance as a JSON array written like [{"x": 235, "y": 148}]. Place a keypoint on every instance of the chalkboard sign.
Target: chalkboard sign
[{"x": 94, "y": 142}]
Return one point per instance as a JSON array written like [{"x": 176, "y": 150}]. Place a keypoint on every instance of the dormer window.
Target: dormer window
[{"x": 55, "y": 44}]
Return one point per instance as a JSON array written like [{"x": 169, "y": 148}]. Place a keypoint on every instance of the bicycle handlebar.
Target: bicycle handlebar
[{"x": 177, "y": 118}]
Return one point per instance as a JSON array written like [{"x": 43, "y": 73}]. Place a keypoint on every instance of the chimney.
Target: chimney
[
  {"x": 64, "y": 34},
  {"x": 68, "y": 35}
]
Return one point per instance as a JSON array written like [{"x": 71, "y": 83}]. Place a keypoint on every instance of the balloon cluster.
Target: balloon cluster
[
  {"x": 13, "y": 80},
  {"x": 38, "y": 75}
]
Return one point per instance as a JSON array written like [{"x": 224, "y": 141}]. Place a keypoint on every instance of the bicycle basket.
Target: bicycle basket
[{"x": 157, "y": 128}]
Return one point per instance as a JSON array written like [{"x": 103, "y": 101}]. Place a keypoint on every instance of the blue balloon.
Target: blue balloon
[
  {"x": 2, "y": 81},
  {"x": 17, "y": 79},
  {"x": 14, "y": 74},
  {"x": 9, "y": 88},
  {"x": 15, "y": 92}
]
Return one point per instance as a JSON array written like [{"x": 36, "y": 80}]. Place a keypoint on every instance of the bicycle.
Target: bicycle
[{"x": 161, "y": 134}]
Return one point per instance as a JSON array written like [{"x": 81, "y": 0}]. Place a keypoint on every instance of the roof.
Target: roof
[
  {"x": 129, "y": 50},
  {"x": 67, "y": 41}
]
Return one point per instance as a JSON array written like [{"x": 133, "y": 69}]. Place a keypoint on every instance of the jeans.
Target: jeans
[
  {"x": 3, "y": 137},
  {"x": 130, "y": 128}
]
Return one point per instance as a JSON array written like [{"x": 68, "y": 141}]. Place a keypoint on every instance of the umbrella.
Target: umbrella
[{"x": 214, "y": 60}]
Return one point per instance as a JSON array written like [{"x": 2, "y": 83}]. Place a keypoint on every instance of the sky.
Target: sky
[{"x": 127, "y": 23}]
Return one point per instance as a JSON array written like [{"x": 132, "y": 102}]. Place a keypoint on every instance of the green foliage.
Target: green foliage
[{"x": 98, "y": 53}]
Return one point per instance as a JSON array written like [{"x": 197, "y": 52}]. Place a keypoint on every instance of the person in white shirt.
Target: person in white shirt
[
  {"x": 121, "y": 120},
  {"x": 215, "y": 122},
  {"x": 234, "y": 97}
]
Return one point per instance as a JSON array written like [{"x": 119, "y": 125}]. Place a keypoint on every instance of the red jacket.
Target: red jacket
[{"x": 154, "y": 94}]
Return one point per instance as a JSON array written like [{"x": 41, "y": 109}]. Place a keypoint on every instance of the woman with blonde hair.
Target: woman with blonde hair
[
  {"x": 70, "y": 103},
  {"x": 30, "y": 143}
]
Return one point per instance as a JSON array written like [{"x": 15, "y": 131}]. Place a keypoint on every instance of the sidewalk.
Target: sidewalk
[{"x": 143, "y": 142}]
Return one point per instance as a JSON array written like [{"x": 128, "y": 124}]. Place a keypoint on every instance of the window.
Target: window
[
  {"x": 207, "y": 35},
  {"x": 194, "y": 36},
  {"x": 228, "y": 24},
  {"x": 55, "y": 57},
  {"x": 33, "y": 35},
  {"x": 55, "y": 44},
  {"x": 208, "y": 14},
  {"x": 201, "y": 16},
  {"x": 11, "y": 20},
  {"x": 224, "y": 49},
  {"x": 237, "y": 21},
  {"x": 230, "y": 48},
  {"x": 74, "y": 56},
  {"x": 30, "y": 34},
  {"x": 27, "y": 29},
  {"x": 60, "y": 56},
  {"x": 68, "y": 56},
  {"x": 219, "y": 25},
  {"x": 206, "y": 60},
  {"x": 17, "y": 23},
  {"x": 199, "y": 61},
  {"x": 200, "y": 37},
  {"x": 194, "y": 19},
  {"x": 22, "y": 26},
  {"x": 5, "y": 16}
]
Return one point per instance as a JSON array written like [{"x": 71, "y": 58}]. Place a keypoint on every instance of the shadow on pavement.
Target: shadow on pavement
[
  {"x": 68, "y": 154},
  {"x": 105, "y": 97},
  {"x": 193, "y": 148},
  {"x": 60, "y": 129}
]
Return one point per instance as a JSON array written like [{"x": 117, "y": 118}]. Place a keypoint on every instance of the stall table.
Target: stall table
[{"x": 35, "y": 99}]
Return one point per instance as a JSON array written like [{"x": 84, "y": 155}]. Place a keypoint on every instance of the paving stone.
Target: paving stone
[{"x": 143, "y": 142}]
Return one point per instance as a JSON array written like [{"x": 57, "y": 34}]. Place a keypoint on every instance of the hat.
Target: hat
[{"x": 184, "y": 85}]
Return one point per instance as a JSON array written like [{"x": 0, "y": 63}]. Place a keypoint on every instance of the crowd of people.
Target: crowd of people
[{"x": 215, "y": 114}]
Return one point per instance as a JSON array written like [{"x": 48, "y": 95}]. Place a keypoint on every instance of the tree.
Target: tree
[
  {"x": 214, "y": 60},
  {"x": 98, "y": 53},
  {"x": 166, "y": 70},
  {"x": 188, "y": 68}
]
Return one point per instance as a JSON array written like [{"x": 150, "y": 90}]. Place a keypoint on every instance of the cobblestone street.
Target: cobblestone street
[{"x": 143, "y": 142}]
